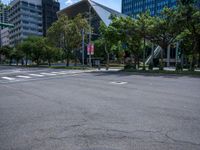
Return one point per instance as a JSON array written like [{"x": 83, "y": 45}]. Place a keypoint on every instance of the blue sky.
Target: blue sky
[{"x": 114, "y": 4}]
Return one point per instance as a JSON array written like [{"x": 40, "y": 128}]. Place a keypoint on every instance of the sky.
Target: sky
[{"x": 114, "y": 4}]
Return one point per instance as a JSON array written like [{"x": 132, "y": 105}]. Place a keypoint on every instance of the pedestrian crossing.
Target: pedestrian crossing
[
  {"x": 8, "y": 78},
  {"x": 36, "y": 75},
  {"x": 39, "y": 75},
  {"x": 48, "y": 74},
  {"x": 25, "y": 77}
]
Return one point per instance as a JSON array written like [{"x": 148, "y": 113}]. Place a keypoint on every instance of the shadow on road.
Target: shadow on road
[{"x": 122, "y": 73}]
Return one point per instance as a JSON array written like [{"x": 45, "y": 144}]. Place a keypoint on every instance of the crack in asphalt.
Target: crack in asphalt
[
  {"x": 89, "y": 134},
  {"x": 179, "y": 141}
]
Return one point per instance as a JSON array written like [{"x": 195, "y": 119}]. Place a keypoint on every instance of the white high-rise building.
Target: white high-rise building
[
  {"x": 5, "y": 40},
  {"x": 26, "y": 16}
]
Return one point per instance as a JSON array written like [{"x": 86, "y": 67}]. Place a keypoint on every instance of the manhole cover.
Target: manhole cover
[{"x": 118, "y": 82}]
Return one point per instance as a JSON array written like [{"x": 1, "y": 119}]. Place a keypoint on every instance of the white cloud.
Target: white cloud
[{"x": 70, "y": 2}]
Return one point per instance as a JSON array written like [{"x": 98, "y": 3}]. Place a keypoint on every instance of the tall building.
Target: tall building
[
  {"x": 3, "y": 13},
  {"x": 26, "y": 15},
  {"x": 4, "y": 35},
  {"x": 5, "y": 40},
  {"x": 49, "y": 9},
  {"x": 134, "y": 7}
]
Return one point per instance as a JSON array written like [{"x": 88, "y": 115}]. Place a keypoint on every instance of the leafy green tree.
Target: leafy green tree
[
  {"x": 108, "y": 39},
  {"x": 26, "y": 48},
  {"x": 164, "y": 31},
  {"x": 104, "y": 41},
  {"x": 143, "y": 23},
  {"x": 66, "y": 34},
  {"x": 190, "y": 17},
  {"x": 50, "y": 53},
  {"x": 37, "y": 50},
  {"x": 126, "y": 31},
  {"x": 7, "y": 52},
  {"x": 17, "y": 54}
]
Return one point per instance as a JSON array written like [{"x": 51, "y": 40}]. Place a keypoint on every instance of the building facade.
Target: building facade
[
  {"x": 3, "y": 13},
  {"x": 3, "y": 19},
  {"x": 26, "y": 16},
  {"x": 49, "y": 9},
  {"x": 134, "y": 7},
  {"x": 5, "y": 40}
]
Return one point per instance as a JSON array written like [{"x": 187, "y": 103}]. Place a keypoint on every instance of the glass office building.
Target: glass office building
[
  {"x": 134, "y": 7},
  {"x": 49, "y": 9}
]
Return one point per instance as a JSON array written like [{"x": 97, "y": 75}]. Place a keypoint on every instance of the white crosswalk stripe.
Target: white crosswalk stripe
[
  {"x": 42, "y": 74},
  {"x": 48, "y": 74},
  {"x": 36, "y": 75},
  {"x": 25, "y": 77},
  {"x": 59, "y": 72},
  {"x": 8, "y": 78}
]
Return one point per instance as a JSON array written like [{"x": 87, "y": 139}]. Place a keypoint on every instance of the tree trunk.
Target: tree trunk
[
  {"x": 37, "y": 62},
  {"x": 199, "y": 60},
  {"x": 133, "y": 66},
  {"x": 10, "y": 63},
  {"x": 138, "y": 62},
  {"x": 49, "y": 63},
  {"x": 67, "y": 61},
  {"x": 144, "y": 51},
  {"x": 26, "y": 60},
  {"x": 75, "y": 59},
  {"x": 192, "y": 63},
  {"x": 108, "y": 61},
  {"x": 151, "y": 65},
  {"x": 22, "y": 62},
  {"x": 161, "y": 60},
  {"x": 108, "y": 58},
  {"x": 17, "y": 62}
]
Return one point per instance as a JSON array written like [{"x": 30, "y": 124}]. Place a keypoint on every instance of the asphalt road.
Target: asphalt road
[{"x": 101, "y": 111}]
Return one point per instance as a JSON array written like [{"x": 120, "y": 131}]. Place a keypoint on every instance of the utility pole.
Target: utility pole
[
  {"x": 83, "y": 47},
  {"x": 90, "y": 34}
]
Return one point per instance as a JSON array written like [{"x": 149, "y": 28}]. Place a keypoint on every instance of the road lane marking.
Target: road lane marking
[
  {"x": 36, "y": 75},
  {"x": 8, "y": 78},
  {"x": 48, "y": 74},
  {"x": 59, "y": 72},
  {"x": 25, "y": 77}
]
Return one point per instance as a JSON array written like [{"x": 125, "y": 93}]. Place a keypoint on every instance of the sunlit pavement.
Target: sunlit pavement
[{"x": 99, "y": 111}]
